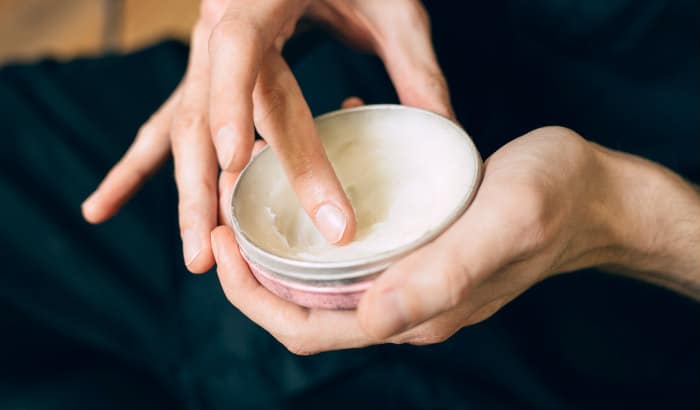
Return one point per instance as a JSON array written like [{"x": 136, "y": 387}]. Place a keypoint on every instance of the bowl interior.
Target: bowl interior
[{"x": 409, "y": 173}]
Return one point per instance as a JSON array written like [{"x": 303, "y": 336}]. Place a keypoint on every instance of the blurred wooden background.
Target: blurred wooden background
[{"x": 33, "y": 29}]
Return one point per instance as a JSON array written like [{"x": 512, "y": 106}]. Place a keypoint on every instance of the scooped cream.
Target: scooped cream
[{"x": 405, "y": 175}]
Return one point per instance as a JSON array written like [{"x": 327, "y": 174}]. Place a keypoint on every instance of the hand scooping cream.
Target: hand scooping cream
[
  {"x": 403, "y": 180},
  {"x": 408, "y": 173}
]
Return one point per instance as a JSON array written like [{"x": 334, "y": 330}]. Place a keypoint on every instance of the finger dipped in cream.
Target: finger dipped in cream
[{"x": 405, "y": 171}]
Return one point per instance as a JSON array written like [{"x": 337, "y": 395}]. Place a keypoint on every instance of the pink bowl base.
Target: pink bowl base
[{"x": 321, "y": 297}]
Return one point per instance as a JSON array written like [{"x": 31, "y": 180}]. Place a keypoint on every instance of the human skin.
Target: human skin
[
  {"x": 237, "y": 80},
  {"x": 550, "y": 203}
]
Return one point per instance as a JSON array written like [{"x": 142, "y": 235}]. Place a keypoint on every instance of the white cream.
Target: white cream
[{"x": 406, "y": 172}]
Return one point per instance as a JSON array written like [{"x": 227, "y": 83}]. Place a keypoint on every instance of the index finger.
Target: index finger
[{"x": 283, "y": 118}]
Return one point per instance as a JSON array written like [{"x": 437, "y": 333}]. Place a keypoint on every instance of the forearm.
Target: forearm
[{"x": 654, "y": 217}]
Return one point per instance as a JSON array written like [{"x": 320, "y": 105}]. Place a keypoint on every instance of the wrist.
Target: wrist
[{"x": 653, "y": 222}]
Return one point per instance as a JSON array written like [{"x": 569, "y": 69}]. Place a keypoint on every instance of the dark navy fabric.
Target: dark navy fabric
[{"x": 106, "y": 316}]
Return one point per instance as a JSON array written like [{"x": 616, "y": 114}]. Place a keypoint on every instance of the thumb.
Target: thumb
[
  {"x": 419, "y": 287},
  {"x": 437, "y": 277},
  {"x": 408, "y": 55}
]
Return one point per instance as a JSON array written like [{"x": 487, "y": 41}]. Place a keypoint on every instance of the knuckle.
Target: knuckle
[
  {"x": 297, "y": 346},
  {"x": 532, "y": 205},
  {"x": 233, "y": 33},
  {"x": 148, "y": 141},
  {"x": 435, "y": 80},
  {"x": 570, "y": 145},
  {"x": 148, "y": 130},
  {"x": 135, "y": 169},
  {"x": 484, "y": 312},
  {"x": 412, "y": 12},
  {"x": 200, "y": 32},
  {"x": 432, "y": 82},
  {"x": 228, "y": 293},
  {"x": 211, "y": 10},
  {"x": 302, "y": 175},
  {"x": 189, "y": 122},
  {"x": 430, "y": 335},
  {"x": 190, "y": 203},
  {"x": 294, "y": 338},
  {"x": 456, "y": 281},
  {"x": 531, "y": 218},
  {"x": 427, "y": 340},
  {"x": 272, "y": 99},
  {"x": 220, "y": 36},
  {"x": 430, "y": 87},
  {"x": 559, "y": 132}
]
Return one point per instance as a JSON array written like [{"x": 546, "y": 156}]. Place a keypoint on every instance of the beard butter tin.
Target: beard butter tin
[{"x": 409, "y": 174}]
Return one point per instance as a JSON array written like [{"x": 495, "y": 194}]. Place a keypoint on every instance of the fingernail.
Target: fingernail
[
  {"x": 391, "y": 315},
  {"x": 190, "y": 245},
  {"x": 224, "y": 146},
  {"x": 331, "y": 222}
]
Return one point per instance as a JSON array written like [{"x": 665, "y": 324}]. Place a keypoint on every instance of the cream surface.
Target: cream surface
[{"x": 405, "y": 172}]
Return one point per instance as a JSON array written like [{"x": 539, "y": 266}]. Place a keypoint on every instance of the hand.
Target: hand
[
  {"x": 237, "y": 79},
  {"x": 550, "y": 202}
]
